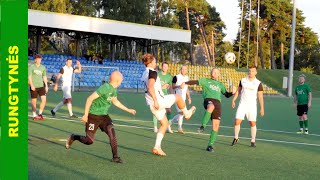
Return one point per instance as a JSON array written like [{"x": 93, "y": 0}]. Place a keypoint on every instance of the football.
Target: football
[{"x": 230, "y": 57}]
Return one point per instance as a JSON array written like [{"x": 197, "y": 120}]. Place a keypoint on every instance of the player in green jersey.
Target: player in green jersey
[
  {"x": 166, "y": 82},
  {"x": 37, "y": 77},
  {"x": 211, "y": 91},
  {"x": 302, "y": 100},
  {"x": 96, "y": 114}
]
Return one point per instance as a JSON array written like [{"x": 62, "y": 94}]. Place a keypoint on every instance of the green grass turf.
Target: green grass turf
[
  {"x": 274, "y": 78},
  {"x": 186, "y": 155}
]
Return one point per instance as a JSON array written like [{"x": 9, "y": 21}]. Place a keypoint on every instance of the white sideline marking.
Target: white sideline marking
[
  {"x": 63, "y": 140},
  {"x": 139, "y": 127}
]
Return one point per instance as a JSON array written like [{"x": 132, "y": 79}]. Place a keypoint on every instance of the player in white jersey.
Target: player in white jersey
[
  {"x": 66, "y": 73},
  {"x": 158, "y": 102},
  {"x": 179, "y": 86},
  {"x": 249, "y": 88}
]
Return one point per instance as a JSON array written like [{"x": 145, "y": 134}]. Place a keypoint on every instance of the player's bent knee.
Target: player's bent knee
[
  {"x": 210, "y": 108},
  {"x": 88, "y": 141}
]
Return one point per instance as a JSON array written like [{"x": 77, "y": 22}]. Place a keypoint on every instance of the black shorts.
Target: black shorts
[
  {"x": 216, "y": 113},
  {"x": 38, "y": 91},
  {"x": 95, "y": 122},
  {"x": 302, "y": 109}
]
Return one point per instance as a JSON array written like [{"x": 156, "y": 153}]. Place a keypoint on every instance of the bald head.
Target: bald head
[
  {"x": 116, "y": 79},
  {"x": 215, "y": 73}
]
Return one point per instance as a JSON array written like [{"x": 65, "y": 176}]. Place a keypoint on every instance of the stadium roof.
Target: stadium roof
[{"x": 105, "y": 26}]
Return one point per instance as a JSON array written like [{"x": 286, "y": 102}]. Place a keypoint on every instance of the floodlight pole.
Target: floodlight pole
[{"x": 291, "y": 61}]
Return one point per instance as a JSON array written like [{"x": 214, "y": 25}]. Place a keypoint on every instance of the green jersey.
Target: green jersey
[
  {"x": 302, "y": 92},
  {"x": 37, "y": 74},
  {"x": 165, "y": 79},
  {"x": 212, "y": 88},
  {"x": 101, "y": 105}
]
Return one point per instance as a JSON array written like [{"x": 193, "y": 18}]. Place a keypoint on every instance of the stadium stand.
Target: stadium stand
[{"x": 132, "y": 71}]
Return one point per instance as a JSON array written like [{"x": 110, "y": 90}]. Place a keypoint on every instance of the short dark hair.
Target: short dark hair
[
  {"x": 253, "y": 66},
  {"x": 69, "y": 59},
  {"x": 147, "y": 59},
  {"x": 165, "y": 63},
  {"x": 37, "y": 56}
]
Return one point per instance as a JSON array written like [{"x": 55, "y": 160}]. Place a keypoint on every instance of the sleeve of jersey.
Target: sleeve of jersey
[
  {"x": 153, "y": 75},
  {"x": 240, "y": 85},
  {"x": 174, "y": 79},
  {"x": 260, "y": 88},
  {"x": 61, "y": 71}
]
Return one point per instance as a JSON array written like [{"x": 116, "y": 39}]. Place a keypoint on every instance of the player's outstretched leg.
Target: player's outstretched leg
[
  {"x": 161, "y": 132},
  {"x": 59, "y": 105},
  {"x": 182, "y": 106},
  {"x": 113, "y": 143},
  {"x": 206, "y": 117},
  {"x": 83, "y": 139}
]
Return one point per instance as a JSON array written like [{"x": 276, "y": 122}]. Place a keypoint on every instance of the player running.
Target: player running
[
  {"x": 179, "y": 86},
  {"x": 96, "y": 114},
  {"x": 249, "y": 88},
  {"x": 302, "y": 100},
  {"x": 211, "y": 91},
  {"x": 158, "y": 102},
  {"x": 66, "y": 73},
  {"x": 37, "y": 77},
  {"x": 166, "y": 82}
]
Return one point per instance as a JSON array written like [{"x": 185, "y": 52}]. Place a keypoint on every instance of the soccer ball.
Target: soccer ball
[{"x": 230, "y": 57}]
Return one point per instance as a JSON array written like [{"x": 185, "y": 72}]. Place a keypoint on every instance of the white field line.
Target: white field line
[{"x": 203, "y": 134}]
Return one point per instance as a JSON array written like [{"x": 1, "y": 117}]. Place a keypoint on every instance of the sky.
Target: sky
[{"x": 230, "y": 14}]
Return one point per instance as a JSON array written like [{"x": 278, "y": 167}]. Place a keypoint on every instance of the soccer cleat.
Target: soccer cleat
[
  {"x": 169, "y": 130},
  {"x": 40, "y": 117},
  {"x": 69, "y": 141},
  {"x": 306, "y": 132},
  {"x": 158, "y": 152},
  {"x": 180, "y": 130},
  {"x": 201, "y": 129},
  {"x": 191, "y": 111},
  {"x": 36, "y": 118},
  {"x": 300, "y": 132},
  {"x": 210, "y": 149},
  {"x": 253, "y": 144},
  {"x": 73, "y": 117},
  {"x": 116, "y": 160},
  {"x": 53, "y": 113},
  {"x": 234, "y": 142}
]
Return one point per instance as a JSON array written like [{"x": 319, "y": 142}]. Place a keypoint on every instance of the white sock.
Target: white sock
[
  {"x": 58, "y": 106},
  {"x": 180, "y": 121},
  {"x": 158, "y": 140},
  {"x": 184, "y": 110},
  {"x": 253, "y": 133},
  {"x": 175, "y": 119},
  {"x": 40, "y": 111},
  {"x": 34, "y": 113},
  {"x": 69, "y": 105},
  {"x": 236, "y": 131}
]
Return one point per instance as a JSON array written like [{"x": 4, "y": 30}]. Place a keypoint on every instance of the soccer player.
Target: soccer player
[
  {"x": 166, "y": 82},
  {"x": 179, "y": 86},
  {"x": 96, "y": 114},
  {"x": 37, "y": 77},
  {"x": 158, "y": 102},
  {"x": 249, "y": 88},
  {"x": 211, "y": 91},
  {"x": 302, "y": 100},
  {"x": 66, "y": 73}
]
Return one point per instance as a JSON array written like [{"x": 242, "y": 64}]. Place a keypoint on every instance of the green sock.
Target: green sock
[
  {"x": 213, "y": 137},
  {"x": 155, "y": 121},
  {"x": 301, "y": 124},
  {"x": 206, "y": 118},
  {"x": 305, "y": 124},
  {"x": 169, "y": 115}
]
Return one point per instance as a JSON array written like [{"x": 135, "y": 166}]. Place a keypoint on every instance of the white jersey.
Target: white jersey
[
  {"x": 249, "y": 91},
  {"x": 148, "y": 74},
  {"x": 178, "y": 80},
  {"x": 66, "y": 75}
]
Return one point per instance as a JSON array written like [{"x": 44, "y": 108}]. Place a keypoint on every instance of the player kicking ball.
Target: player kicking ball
[
  {"x": 212, "y": 90},
  {"x": 158, "y": 102},
  {"x": 249, "y": 88},
  {"x": 96, "y": 114}
]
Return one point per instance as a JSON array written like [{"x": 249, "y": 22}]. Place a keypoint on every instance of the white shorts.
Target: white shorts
[
  {"x": 66, "y": 92},
  {"x": 249, "y": 111},
  {"x": 166, "y": 102}
]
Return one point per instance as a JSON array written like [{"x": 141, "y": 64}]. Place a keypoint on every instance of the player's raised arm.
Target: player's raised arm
[
  {"x": 79, "y": 69},
  {"x": 117, "y": 103},
  {"x": 192, "y": 82}
]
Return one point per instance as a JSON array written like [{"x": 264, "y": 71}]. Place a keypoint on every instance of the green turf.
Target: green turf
[
  {"x": 187, "y": 158},
  {"x": 274, "y": 78}
]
